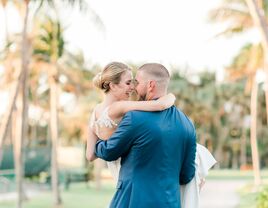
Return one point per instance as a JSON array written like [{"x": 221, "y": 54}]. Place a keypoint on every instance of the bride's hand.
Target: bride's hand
[
  {"x": 202, "y": 183},
  {"x": 167, "y": 100}
]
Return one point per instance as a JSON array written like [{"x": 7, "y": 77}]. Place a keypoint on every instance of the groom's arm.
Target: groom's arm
[
  {"x": 119, "y": 143},
  {"x": 188, "y": 166}
]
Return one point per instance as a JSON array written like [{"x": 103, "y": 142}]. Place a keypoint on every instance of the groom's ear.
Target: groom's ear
[{"x": 151, "y": 85}]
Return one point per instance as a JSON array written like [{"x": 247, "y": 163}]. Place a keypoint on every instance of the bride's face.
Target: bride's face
[{"x": 123, "y": 90}]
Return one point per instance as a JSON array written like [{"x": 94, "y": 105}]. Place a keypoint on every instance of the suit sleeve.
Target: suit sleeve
[
  {"x": 188, "y": 165},
  {"x": 119, "y": 143}
]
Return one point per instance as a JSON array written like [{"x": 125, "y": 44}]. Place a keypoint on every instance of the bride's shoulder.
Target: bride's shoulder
[{"x": 98, "y": 109}]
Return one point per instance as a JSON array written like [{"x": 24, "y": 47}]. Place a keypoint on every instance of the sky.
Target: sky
[{"x": 172, "y": 32}]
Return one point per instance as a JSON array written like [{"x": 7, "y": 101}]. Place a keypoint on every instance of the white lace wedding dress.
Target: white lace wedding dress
[
  {"x": 104, "y": 126},
  {"x": 190, "y": 193}
]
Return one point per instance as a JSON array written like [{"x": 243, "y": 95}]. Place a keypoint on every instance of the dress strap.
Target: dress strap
[
  {"x": 106, "y": 114},
  {"x": 104, "y": 120}
]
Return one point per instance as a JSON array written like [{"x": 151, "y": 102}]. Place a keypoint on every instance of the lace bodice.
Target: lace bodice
[
  {"x": 104, "y": 124},
  {"x": 104, "y": 120}
]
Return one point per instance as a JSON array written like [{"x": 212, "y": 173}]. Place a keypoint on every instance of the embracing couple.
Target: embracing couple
[{"x": 150, "y": 144}]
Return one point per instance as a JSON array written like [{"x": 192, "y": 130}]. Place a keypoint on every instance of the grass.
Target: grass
[
  {"x": 248, "y": 196},
  {"x": 248, "y": 200},
  {"x": 235, "y": 174},
  {"x": 78, "y": 196}
]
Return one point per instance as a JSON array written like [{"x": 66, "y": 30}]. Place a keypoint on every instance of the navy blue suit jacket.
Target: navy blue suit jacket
[{"x": 157, "y": 151}]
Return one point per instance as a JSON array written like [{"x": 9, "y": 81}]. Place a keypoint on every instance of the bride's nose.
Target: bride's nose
[{"x": 132, "y": 86}]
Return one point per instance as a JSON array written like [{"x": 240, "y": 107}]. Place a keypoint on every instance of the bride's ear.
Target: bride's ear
[{"x": 112, "y": 86}]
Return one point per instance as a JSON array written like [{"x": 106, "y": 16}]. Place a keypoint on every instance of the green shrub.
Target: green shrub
[{"x": 262, "y": 199}]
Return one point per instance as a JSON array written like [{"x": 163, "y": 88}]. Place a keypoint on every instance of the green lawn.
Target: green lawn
[
  {"x": 248, "y": 200},
  {"x": 78, "y": 196},
  {"x": 235, "y": 174}
]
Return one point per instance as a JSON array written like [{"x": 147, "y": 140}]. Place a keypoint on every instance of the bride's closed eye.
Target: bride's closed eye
[{"x": 128, "y": 82}]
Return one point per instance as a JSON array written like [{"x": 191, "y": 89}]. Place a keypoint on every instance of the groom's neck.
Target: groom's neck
[{"x": 155, "y": 95}]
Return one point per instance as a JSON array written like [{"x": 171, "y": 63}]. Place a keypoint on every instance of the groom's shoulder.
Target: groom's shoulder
[
  {"x": 136, "y": 114},
  {"x": 181, "y": 112},
  {"x": 134, "y": 117},
  {"x": 133, "y": 114},
  {"x": 184, "y": 117}
]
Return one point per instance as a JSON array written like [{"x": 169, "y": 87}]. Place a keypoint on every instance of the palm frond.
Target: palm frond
[
  {"x": 229, "y": 32},
  {"x": 245, "y": 64},
  {"x": 49, "y": 40},
  {"x": 228, "y": 13}
]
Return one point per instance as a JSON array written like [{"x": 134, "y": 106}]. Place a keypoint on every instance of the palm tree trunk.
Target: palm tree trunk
[
  {"x": 54, "y": 134},
  {"x": 21, "y": 128},
  {"x": 266, "y": 81},
  {"x": 266, "y": 96},
  {"x": 259, "y": 20},
  {"x": 243, "y": 152},
  {"x": 18, "y": 145},
  {"x": 25, "y": 54},
  {"x": 222, "y": 134},
  {"x": 253, "y": 133}
]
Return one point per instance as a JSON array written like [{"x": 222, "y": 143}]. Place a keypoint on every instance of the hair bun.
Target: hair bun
[
  {"x": 97, "y": 81},
  {"x": 110, "y": 74}
]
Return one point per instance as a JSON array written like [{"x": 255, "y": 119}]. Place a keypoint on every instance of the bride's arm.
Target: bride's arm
[
  {"x": 91, "y": 139},
  {"x": 91, "y": 142},
  {"x": 118, "y": 109}
]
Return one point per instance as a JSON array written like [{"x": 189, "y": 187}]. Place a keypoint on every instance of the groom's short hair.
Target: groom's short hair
[{"x": 157, "y": 72}]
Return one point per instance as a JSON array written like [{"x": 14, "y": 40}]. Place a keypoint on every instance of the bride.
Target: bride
[{"x": 117, "y": 83}]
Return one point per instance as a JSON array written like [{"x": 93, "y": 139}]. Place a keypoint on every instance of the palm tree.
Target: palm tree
[
  {"x": 257, "y": 12},
  {"x": 246, "y": 64},
  {"x": 22, "y": 81},
  {"x": 48, "y": 48},
  {"x": 242, "y": 16},
  {"x": 11, "y": 64},
  {"x": 50, "y": 53},
  {"x": 21, "y": 106},
  {"x": 22, "y": 8},
  {"x": 236, "y": 14},
  {"x": 8, "y": 59}
]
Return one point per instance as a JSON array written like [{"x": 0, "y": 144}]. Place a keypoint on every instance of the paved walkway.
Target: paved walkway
[{"x": 221, "y": 193}]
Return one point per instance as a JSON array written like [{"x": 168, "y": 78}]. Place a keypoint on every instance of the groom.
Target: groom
[{"x": 157, "y": 149}]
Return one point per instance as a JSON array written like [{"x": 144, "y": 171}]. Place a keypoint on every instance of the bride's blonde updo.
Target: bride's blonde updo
[{"x": 110, "y": 74}]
